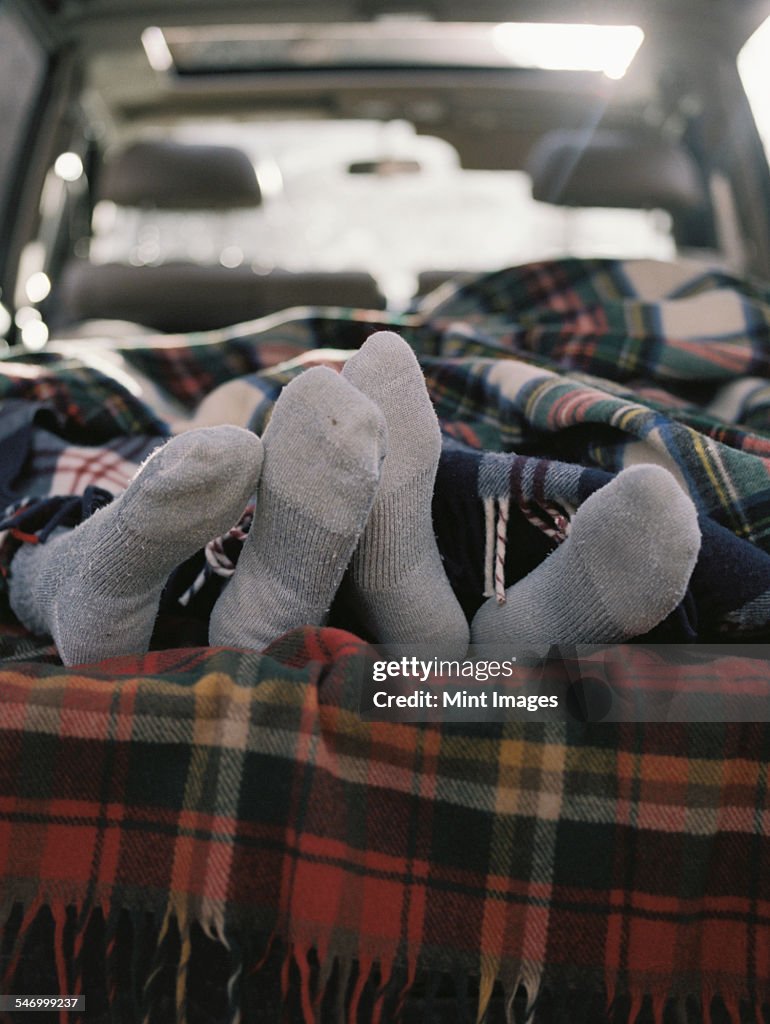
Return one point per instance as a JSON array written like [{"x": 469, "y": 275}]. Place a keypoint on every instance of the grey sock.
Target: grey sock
[
  {"x": 324, "y": 447},
  {"x": 624, "y": 567},
  {"x": 396, "y": 574},
  {"x": 96, "y": 588}
]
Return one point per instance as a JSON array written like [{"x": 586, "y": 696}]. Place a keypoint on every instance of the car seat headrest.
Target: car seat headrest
[
  {"x": 174, "y": 176},
  {"x": 614, "y": 169}
]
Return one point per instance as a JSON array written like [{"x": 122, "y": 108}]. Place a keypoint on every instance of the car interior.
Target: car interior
[
  {"x": 217, "y": 174},
  {"x": 564, "y": 209}
]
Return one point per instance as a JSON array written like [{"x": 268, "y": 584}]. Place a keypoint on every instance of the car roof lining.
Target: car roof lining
[
  {"x": 94, "y": 22},
  {"x": 508, "y": 102},
  {"x": 492, "y": 117}
]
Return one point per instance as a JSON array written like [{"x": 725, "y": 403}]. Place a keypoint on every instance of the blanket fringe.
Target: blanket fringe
[
  {"x": 59, "y": 916},
  {"x": 220, "y": 556},
  {"x": 553, "y": 520},
  {"x": 185, "y": 952},
  {"x": 496, "y": 514},
  {"x": 148, "y": 968},
  {"x": 486, "y": 987}
]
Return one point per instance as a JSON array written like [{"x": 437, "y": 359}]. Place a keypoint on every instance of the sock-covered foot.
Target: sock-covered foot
[
  {"x": 324, "y": 447},
  {"x": 397, "y": 576},
  {"x": 624, "y": 567},
  {"x": 96, "y": 589}
]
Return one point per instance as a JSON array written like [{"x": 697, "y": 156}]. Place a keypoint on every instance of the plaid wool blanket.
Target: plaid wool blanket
[{"x": 204, "y": 834}]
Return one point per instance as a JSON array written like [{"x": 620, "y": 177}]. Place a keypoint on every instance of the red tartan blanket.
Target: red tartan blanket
[{"x": 199, "y": 814}]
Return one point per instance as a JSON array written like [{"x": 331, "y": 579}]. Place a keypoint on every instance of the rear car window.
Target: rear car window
[{"x": 355, "y": 195}]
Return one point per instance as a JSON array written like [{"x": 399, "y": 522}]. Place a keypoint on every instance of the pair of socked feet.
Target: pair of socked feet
[{"x": 343, "y": 478}]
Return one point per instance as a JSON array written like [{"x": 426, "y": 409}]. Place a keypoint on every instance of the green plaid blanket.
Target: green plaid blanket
[{"x": 201, "y": 834}]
